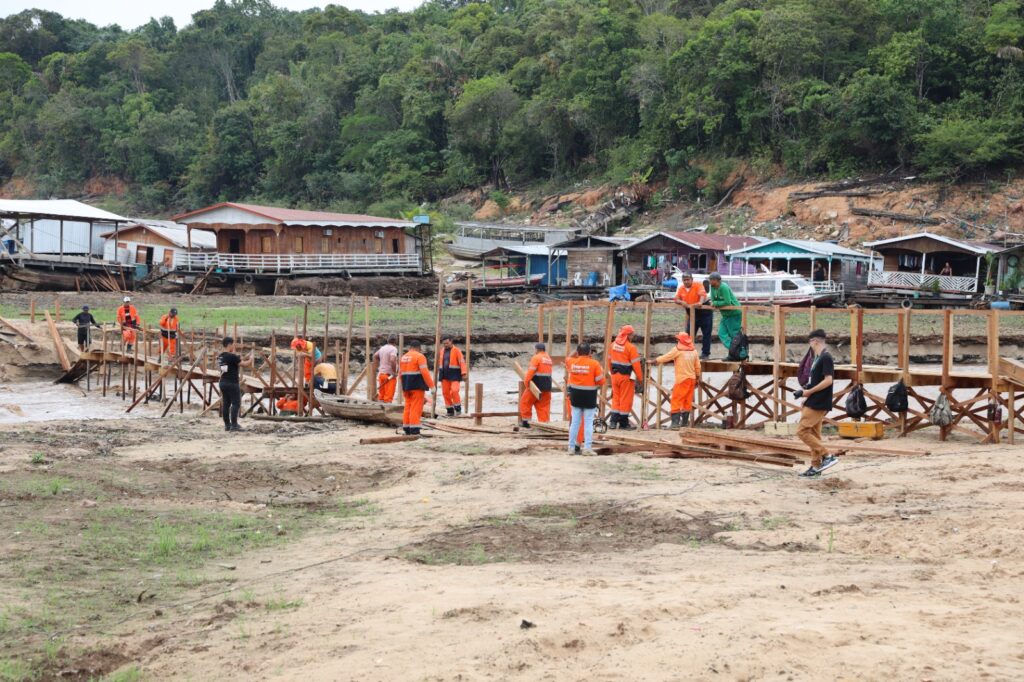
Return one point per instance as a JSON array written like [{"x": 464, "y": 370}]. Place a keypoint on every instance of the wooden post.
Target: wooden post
[
  {"x": 778, "y": 389},
  {"x": 273, "y": 372},
  {"x": 947, "y": 359},
  {"x": 104, "y": 369},
  {"x": 135, "y": 366},
  {"x": 993, "y": 368},
  {"x": 399, "y": 394},
  {"x": 305, "y": 319},
  {"x": 657, "y": 411},
  {"x": 326, "y": 346},
  {"x": 857, "y": 343},
  {"x": 437, "y": 345},
  {"x": 540, "y": 314},
  {"x": 1011, "y": 407},
  {"x": 568, "y": 342},
  {"x": 348, "y": 344},
  {"x": 551, "y": 331},
  {"x": 647, "y": 352},
  {"x": 814, "y": 318},
  {"x": 478, "y": 402},
  {"x": 56, "y": 308},
  {"x": 469, "y": 337},
  {"x": 337, "y": 364},
  {"x": 605, "y": 390},
  {"x": 32, "y": 310},
  {"x": 370, "y": 383},
  {"x": 583, "y": 319}
]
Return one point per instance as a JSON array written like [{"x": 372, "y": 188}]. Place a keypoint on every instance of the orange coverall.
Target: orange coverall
[
  {"x": 584, "y": 377},
  {"x": 128, "y": 318},
  {"x": 169, "y": 334},
  {"x": 539, "y": 373},
  {"x": 386, "y": 359},
  {"x": 687, "y": 366},
  {"x": 416, "y": 380},
  {"x": 623, "y": 358},
  {"x": 453, "y": 368}
]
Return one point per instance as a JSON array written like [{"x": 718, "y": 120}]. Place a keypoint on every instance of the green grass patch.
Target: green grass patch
[
  {"x": 129, "y": 674},
  {"x": 346, "y": 509},
  {"x": 16, "y": 670},
  {"x": 38, "y": 485}
]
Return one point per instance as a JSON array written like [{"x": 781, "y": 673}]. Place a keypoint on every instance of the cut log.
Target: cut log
[
  {"x": 902, "y": 217},
  {"x": 389, "y": 439}
]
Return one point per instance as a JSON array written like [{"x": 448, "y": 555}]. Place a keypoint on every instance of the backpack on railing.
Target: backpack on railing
[
  {"x": 856, "y": 405},
  {"x": 739, "y": 348},
  {"x": 941, "y": 414},
  {"x": 896, "y": 400}
]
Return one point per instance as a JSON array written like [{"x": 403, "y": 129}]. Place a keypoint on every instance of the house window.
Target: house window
[
  {"x": 267, "y": 244},
  {"x": 298, "y": 245},
  {"x": 698, "y": 261},
  {"x": 394, "y": 246}
]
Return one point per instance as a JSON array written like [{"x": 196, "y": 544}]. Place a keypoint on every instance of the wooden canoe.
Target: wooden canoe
[{"x": 362, "y": 410}]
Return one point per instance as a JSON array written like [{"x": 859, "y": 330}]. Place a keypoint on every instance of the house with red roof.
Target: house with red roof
[
  {"x": 265, "y": 242},
  {"x": 697, "y": 252}
]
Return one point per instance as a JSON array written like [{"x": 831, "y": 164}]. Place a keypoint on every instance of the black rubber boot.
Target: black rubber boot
[
  {"x": 624, "y": 424},
  {"x": 405, "y": 430},
  {"x": 685, "y": 419},
  {"x": 451, "y": 411},
  {"x": 458, "y": 409},
  {"x": 525, "y": 423},
  {"x": 414, "y": 430},
  {"x": 675, "y": 420},
  {"x": 613, "y": 421}
]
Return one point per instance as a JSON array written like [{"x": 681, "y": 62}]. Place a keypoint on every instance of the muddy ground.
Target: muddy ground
[{"x": 168, "y": 549}]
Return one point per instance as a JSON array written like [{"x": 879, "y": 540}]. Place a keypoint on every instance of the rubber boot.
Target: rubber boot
[
  {"x": 613, "y": 421},
  {"x": 451, "y": 411},
  {"x": 414, "y": 430},
  {"x": 406, "y": 430},
  {"x": 675, "y": 420},
  {"x": 624, "y": 424},
  {"x": 524, "y": 423},
  {"x": 684, "y": 419},
  {"x": 458, "y": 409}
]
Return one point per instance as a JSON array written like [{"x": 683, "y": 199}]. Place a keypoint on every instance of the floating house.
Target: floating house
[
  {"x": 473, "y": 240},
  {"x": 929, "y": 262},
  {"x": 530, "y": 265},
  {"x": 593, "y": 261},
  {"x": 152, "y": 245},
  {"x": 698, "y": 252},
  {"x": 830, "y": 267}
]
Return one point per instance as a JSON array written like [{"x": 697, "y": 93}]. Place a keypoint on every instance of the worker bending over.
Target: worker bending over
[
  {"x": 539, "y": 376},
  {"x": 623, "y": 360},
  {"x": 287, "y": 407},
  {"x": 169, "y": 333},
  {"x": 84, "y": 321},
  {"x": 732, "y": 320},
  {"x": 451, "y": 372},
  {"x": 687, "y": 366},
  {"x": 128, "y": 319},
  {"x": 310, "y": 353},
  {"x": 416, "y": 381},
  {"x": 583, "y": 377},
  {"x": 325, "y": 377},
  {"x": 385, "y": 365},
  {"x": 230, "y": 387}
]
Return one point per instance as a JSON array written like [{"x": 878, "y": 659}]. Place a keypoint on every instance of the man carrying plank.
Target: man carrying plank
[
  {"x": 817, "y": 395},
  {"x": 538, "y": 375}
]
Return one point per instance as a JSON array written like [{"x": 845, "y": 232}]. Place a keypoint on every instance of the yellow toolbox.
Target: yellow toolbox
[{"x": 873, "y": 430}]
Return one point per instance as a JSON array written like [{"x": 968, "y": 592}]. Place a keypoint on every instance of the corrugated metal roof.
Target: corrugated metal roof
[
  {"x": 68, "y": 209},
  {"x": 715, "y": 242},
  {"x": 525, "y": 250},
  {"x": 822, "y": 248},
  {"x": 973, "y": 247},
  {"x": 294, "y": 216},
  {"x": 173, "y": 232}
]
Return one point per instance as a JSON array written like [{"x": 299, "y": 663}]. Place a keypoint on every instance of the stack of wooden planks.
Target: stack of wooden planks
[{"x": 733, "y": 442}]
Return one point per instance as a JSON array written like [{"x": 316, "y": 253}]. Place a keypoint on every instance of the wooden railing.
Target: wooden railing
[
  {"x": 299, "y": 263},
  {"x": 914, "y": 280}
]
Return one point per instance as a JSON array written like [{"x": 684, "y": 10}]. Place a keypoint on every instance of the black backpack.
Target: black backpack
[
  {"x": 856, "y": 405},
  {"x": 739, "y": 349},
  {"x": 736, "y": 386},
  {"x": 896, "y": 399}
]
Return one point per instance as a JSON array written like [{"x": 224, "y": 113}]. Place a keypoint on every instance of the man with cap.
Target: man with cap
[
  {"x": 687, "y": 367},
  {"x": 692, "y": 295},
  {"x": 732, "y": 320},
  {"x": 817, "y": 395},
  {"x": 169, "y": 333},
  {"x": 538, "y": 376},
  {"x": 128, "y": 319},
  {"x": 623, "y": 360},
  {"x": 451, "y": 372},
  {"x": 84, "y": 320},
  {"x": 310, "y": 353},
  {"x": 416, "y": 381},
  {"x": 584, "y": 377}
]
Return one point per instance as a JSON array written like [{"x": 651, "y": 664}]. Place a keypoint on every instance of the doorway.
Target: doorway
[
  {"x": 234, "y": 245},
  {"x": 144, "y": 255}
]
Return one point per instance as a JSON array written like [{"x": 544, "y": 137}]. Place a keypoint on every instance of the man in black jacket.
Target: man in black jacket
[
  {"x": 84, "y": 320},
  {"x": 230, "y": 387},
  {"x": 817, "y": 395}
]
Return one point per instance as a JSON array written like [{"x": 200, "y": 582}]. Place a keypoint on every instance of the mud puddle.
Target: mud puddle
[{"x": 41, "y": 401}]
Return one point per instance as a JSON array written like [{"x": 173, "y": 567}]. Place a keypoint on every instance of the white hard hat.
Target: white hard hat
[{"x": 127, "y": 299}]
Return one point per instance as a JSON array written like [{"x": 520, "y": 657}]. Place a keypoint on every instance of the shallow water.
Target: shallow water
[{"x": 38, "y": 401}]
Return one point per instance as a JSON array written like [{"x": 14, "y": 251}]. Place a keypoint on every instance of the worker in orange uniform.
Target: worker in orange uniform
[
  {"x": 128, "y": 318},
  {"x": 287, "y": 406},
  {"x": 310, "y": 351},
  {"x": 451, "y": 372},
  {"x": 623, "y": 360},
  {"x": 691, "y": 293},
  {"x": 687, "y": 366},
  {"x": 385, "y": 364},
  {"x": 538, "y": 374},
  {"x": 583, "y": 378},
  {"x": 416, "y": 381},
  {"x": 169, "y": 333}
]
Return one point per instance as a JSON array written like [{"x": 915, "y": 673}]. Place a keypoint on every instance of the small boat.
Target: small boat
[
  {"x": 773, "y": 288},
  {"x": 473, "y": 240},
  {"x": 488, "y": 283},
  {"x": 360, "y": 409}
]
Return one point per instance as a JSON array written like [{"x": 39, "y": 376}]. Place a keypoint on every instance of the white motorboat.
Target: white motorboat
[{"x": 768, "y": 288}]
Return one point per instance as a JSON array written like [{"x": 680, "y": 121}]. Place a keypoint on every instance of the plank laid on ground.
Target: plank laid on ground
[
  {"x": 389, "y": 439},
  {"x": 280, "y": 418},
  {"x": 9, "y": 324},
  {"x": 748, "y": 440}
]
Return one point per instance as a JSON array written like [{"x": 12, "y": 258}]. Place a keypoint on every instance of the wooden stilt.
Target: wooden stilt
[
  {"x": 568, "y": 343},
  {"x": 370, "y": 384},
  {"x": 993, "y": 370},
  {"x": 657, "y": 411},
  {"x": 32, "y": 310},
  {"x": 646, "y": 355},
  {"x": 605, "y": 390},
  {"x": 478, "y": 402},
  {"x": 469, "y": 337},
  {"x": 399, "y": 393},
  {"x": 437, "y": 345},
  {"x": 348, "y": 344}
]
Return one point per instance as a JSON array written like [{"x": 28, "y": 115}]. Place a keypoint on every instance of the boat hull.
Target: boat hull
[{"x": 359, "y": 410}]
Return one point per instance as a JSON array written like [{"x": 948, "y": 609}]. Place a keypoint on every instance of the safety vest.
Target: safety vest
[
  {"x": 128, "y": 318},
  {"x": 623, "y": 358},
  {"x": 540, "y": 372},
  {"x": 169, "y": 326},
  {"x": 453, "y": 365},
  {"x": 584, "y": 376},
  {"x": 415, "y": 374}
]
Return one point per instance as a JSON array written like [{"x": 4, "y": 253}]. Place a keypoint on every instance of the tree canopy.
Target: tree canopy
[{"x": 338, "y": 108}]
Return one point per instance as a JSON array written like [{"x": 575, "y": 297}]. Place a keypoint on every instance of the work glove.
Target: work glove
[
  {"x": 638, "y": 386},
  {"x": 799, "y": 393}
]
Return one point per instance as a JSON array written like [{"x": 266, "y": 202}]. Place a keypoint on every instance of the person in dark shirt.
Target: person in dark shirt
[
  {"x": 84, "y": 320},
  {"x": 817, "y": 395},
  {"x": 230, "y": 389}
]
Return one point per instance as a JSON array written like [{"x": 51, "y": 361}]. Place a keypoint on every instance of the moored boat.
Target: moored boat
[
  {"x": 473, "y": 240},
  {"x": 771, "y": 288},
  {"x": 358, "y": 409}
]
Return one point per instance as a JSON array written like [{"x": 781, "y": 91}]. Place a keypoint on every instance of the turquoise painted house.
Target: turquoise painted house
[{"x": 830, "y": 266}]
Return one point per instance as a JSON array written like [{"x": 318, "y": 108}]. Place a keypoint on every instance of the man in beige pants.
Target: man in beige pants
[{"x": 817, "y": 395}]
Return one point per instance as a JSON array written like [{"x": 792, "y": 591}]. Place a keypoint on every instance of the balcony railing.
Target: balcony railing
[
  {"x": 946, "y": 284},
  {"x": 829, "y": 287},
  {"x": 284, "y": 264}
]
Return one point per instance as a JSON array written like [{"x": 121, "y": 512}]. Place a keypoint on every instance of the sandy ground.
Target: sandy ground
[{"x": 888, "y": 567}]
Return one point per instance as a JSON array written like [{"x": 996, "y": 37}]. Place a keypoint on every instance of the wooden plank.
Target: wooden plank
[
  {"x": 437, "y": 343},
  {"x": 58, "y": 343},
  {"x": 370, "y": 384},
  {"x": 388, "y": 439},
  {"x": 750, "y": 440},
  {"x": 902, "y": 217},
  {"x": 646, "y": 355},
  {"x": 469, "y": 339}
]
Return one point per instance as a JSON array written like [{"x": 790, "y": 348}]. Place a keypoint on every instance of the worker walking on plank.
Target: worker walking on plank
[
  {"x": 691, "y": 293},
  {"x": 623, "y": 361},
  {"x": 325, "y": 377},
  {"x": 230, "y": 389},
  {"x": 451, "y": 372},
  {"x": 169, "y": 333},
  {"x": 128, "y": 318},
  {"x": 84, "y": 321},
  {"x": 817, "y": 395},
  {"x": 416, "y": 381},
  {"x": 584, "y": 376},
  {"x": 539, "y": 375},
  {"x": 311, "y": 354},
  {"x": 732, "y": 320},
  {"x": 687, "y": 366},
  {"x": 385, "y": 365}
]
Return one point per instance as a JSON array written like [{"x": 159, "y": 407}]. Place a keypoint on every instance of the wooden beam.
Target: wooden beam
[
  {"x": 58, "y": 343},
  {"x": 437, "y": 344},
  {"x": 370, "y": 384}
]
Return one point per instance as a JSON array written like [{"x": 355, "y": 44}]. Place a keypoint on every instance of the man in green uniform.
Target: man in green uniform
[{"x": 732, "y": 320}]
